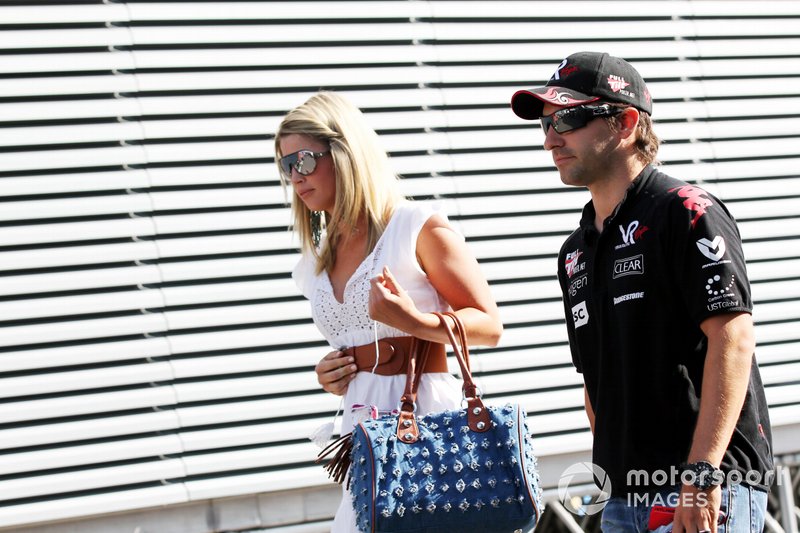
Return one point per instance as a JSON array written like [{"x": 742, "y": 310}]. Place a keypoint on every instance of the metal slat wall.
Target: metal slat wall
[{"x": 153, "y": 348}]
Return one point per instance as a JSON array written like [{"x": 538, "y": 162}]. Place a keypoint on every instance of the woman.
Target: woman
[{"x": 382, "y": 268}]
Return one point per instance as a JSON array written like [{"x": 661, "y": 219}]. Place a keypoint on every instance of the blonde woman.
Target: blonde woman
[{"x": 379, "y": 270}]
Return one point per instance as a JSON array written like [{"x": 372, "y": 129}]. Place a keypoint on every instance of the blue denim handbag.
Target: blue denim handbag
[{"x": 469, "y": 469}]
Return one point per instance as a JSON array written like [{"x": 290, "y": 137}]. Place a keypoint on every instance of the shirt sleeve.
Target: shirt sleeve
[
  {"x": 304, "y": 276},
  {"x": 706, "y": 255},
  {"x": 569, "y": 322}
]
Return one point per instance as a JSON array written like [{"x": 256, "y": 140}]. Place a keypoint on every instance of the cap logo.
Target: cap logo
[
  {"x": 617, "y": 83},
  {"x": 564, "y": 70},
  {"x": 557, "y": 74}
]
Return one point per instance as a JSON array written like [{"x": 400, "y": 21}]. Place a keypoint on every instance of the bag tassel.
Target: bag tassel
[{"x": 339, "y": 464}]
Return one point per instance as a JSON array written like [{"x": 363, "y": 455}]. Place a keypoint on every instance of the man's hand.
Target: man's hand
[{"x": 697, "y": 510}]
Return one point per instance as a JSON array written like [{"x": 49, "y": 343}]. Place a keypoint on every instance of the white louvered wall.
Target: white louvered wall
[{"x": 153, "y": 348}]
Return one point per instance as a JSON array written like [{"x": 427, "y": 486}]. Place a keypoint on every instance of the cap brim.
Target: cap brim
[{"x": 528, "y": 104}]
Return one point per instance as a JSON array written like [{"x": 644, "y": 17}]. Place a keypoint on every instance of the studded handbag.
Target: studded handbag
[{"x": 468, "y": 469}]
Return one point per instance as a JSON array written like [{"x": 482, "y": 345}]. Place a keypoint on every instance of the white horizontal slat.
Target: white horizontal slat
[
  {"x": 774, "y": 333},
  {"x": 73, "y": 231},
  {"x": 62, "y": 14},
  {"x": 243, "y": 338},
  {"x": 276, "y": 10},
  {"x": 81, "y": 279},
  {"x": 95, "y": 205},
  {"x": 88, "y": 404},
  {"x": 775, "y": 311},
  {"x": 551, "y": 30},
  {"x": 82, "y": 329},
  {"x": 782, "y": 373},
  {"x": 272, "y": 433},
  {"x": 89, "y": 429},
  {"x": 239, "y": 387},
  {"x": 532, "y": 312},
  {"x": 240, "y": 196},
  {"x": 71, "y": 456},
  {"x": 84, "y": 379},
  {"x": 172, "y": 35},
  {"x": 615, "y": 10},
  {"x": 776, "y": 269},
  {"x": 202, "y": 175},
  {"x": 193, "y": 81},
  {"x": 71, "y": 38},
  {"x": 775, "y": 353},
  {"x": 524, "y": 358},
  {"x": 756, "y": 189},
  {"x": 234, "y": 485},
  {"x": 768, "y": 229},
  {"x": 79, "y": 304},
  {"x": 73, "y": 182},
  {"x": 79, "y": 506},
  {"x": 224, "y": 268},
  {"x": 322, "y": 55},
  {"x": 75, "y": 158},
  {"x": 503, "y": 384},
  {"x": 110, "y": 84},
  {"x": 82, "y": 133},
  {"x": 283, "y": 102},
  {"x": 102, "y": 352},
  {"x": 509, "y": 292},
  {"x": 256, "y": 410},
  {"x": 240, "y": 314},
  {"x": 229, "y": 292},
  {"x": 26, "y": 64},
  {"x": 256, "y": 242},
  {"x": 69, "y": 109},
  {"x": 78, "y": 255}
]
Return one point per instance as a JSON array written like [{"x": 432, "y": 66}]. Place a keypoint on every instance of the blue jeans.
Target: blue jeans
[{"x": 744, "y": 506}]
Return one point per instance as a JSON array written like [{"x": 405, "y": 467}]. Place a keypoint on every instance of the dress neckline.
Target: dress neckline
[{"x": 363, "y": 262}]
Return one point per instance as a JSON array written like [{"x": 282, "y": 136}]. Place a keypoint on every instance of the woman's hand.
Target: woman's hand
[
  {"x": 335, "y": 371},
  {"x": 390, "y": 304}
]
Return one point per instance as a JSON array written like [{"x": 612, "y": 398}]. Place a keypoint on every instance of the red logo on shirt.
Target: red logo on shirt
[
  {"x": 571, "y": 263},
  {"x": 695, "y": 200}
]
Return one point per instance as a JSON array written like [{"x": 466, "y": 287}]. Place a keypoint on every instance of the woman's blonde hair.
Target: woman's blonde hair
[{"x": 366, "y": 186}]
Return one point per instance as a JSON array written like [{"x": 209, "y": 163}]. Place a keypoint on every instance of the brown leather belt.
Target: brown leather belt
[{"x": 394, "y": 354}]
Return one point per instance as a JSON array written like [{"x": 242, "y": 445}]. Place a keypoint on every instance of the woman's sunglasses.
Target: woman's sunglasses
[
  {"x": 303, "y": 161},
  {"x": 573, "y": 118}
]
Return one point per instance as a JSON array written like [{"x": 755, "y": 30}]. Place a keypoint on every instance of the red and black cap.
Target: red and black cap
[{"x": 582, "y": 78}]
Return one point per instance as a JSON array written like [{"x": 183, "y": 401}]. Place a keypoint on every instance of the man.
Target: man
[{"x": 658, "y": 311}]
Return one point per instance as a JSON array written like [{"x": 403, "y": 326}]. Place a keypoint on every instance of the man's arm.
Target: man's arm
[
  {"x": 589, "y": 410},
  {"x": 726, "y": 375}
]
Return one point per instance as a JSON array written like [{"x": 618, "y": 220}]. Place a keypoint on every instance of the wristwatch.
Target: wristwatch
[{"x": 703, "y": 475}]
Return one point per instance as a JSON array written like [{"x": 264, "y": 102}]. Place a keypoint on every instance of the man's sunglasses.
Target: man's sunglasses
[
  {"x": 303, "y": 161},
  {"x": 573, "y": 118}
]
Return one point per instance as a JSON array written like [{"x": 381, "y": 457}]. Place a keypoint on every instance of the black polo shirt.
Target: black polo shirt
[{"x": 669, "y": 257}]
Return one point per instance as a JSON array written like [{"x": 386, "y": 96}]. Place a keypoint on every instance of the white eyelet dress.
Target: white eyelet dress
[{"x": 348, "y": 324}]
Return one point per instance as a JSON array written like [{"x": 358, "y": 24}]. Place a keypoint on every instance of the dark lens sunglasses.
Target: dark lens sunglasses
[
  {"x": 303, "y": 161},
  {"x": 573, "y": 118}
]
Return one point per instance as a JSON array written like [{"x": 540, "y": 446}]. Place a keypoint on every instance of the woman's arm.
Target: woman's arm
[{"x": 454, "y": 272}]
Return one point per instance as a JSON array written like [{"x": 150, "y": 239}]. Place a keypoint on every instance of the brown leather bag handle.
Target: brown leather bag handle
[{"x": 477, "y": 416}]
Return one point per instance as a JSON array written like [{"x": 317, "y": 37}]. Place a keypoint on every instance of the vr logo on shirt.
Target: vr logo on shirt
[
  {"x": 631, "y": 234},
  {"x": 580, "y": 315}
]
